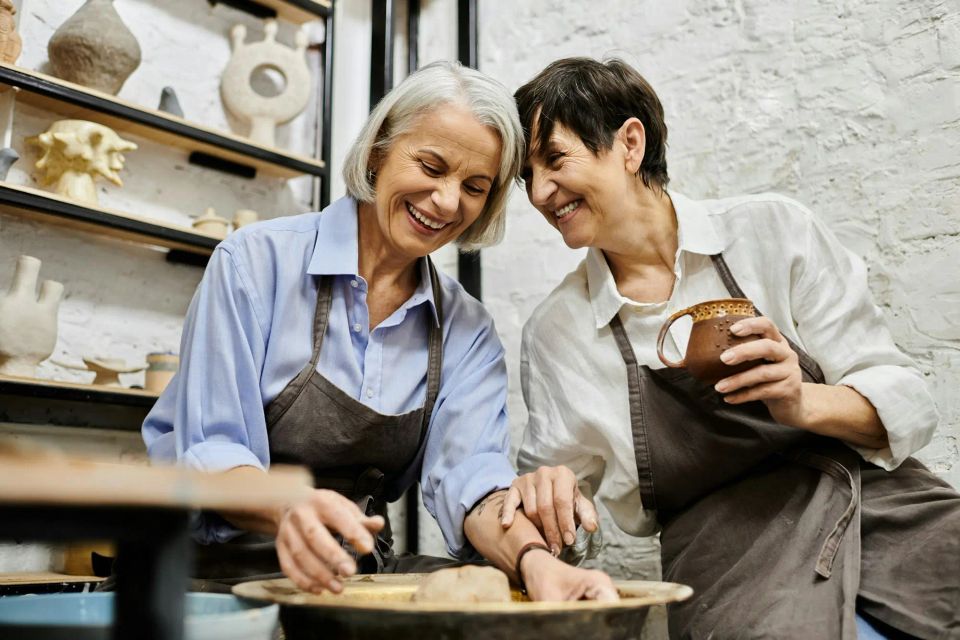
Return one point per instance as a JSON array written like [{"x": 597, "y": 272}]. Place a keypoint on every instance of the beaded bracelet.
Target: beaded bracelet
[{"x": 530, "y": 546}]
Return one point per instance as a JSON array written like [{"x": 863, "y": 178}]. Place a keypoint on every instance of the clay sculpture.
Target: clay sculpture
[
  {"x": 75, "y": 152},
  {"x": 94, "y": 48},
  {"x": 10, "y": 42},
  {"x": 263, "y": 113},
  {"x": 211, "y": 224},
  {"x": 28, "y": 324}
]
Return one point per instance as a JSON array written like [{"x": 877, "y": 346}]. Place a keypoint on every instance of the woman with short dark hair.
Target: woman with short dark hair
[{"x": 785, "y": 494}]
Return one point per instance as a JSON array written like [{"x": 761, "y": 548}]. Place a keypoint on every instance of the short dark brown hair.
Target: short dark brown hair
[{"x": 593, "y": 99}]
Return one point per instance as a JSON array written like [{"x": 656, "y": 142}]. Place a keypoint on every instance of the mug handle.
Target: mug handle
[{"x": 663, "y": 334}]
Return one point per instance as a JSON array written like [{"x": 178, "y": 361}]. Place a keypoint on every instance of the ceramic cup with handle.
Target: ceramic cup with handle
[{"x": 709, "y": 337}]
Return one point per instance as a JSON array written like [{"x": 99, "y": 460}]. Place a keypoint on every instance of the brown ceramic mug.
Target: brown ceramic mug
[{"x": 710, "y": 337}]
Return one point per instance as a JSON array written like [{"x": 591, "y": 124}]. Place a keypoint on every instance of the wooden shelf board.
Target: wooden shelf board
[
  {"x": 50, "y": 207},
  {"x": 75, "y": 101},
  {"x": 38, "y": 479},
  {"x": 35, "y": 387},
  {"x": 42, "y": 577}
]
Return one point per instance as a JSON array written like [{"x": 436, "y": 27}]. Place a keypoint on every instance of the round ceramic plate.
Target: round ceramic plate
[{"x": 382, "y": 606}]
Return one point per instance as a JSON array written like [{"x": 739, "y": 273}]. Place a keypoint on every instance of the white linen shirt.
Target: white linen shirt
[{"x": 796, "y": 272}]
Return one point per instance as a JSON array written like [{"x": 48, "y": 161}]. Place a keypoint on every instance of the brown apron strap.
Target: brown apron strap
[
  {"x": 641, "y": 447},
  {"x": 292, "y": 391},
  {"x": 435, "y": 356},
  {"x": 808, "y": 364},
  {"x": 836, "y": 470}
]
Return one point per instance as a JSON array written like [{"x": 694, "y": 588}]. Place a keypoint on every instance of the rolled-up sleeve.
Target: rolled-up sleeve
[
  {"x": 467, "y": 452},
  {"x": 211, "y": 416},
  {"x": 845, "y": 332}
]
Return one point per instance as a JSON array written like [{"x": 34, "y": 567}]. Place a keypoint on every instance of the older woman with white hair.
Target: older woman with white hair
[{"x": 330, "y": 340}]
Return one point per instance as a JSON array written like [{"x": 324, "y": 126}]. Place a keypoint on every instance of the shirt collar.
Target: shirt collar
[
  {"x": 335, "y": 251},
  {"x": 696, "y": 234}
]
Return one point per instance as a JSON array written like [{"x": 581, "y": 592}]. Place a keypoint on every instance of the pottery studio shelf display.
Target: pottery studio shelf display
[{"x": 78, "y": 102}]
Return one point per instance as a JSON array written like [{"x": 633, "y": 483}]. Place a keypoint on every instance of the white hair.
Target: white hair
[{"x": 434, "y": 85}]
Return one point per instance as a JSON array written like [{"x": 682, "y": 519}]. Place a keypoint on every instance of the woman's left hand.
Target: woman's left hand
[
  {"x": 778, "y": 383},
  {"x": 550, "y": 579}
]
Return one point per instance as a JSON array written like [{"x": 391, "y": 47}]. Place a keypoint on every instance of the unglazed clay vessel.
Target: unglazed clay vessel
[
  {"x": 10, "y": 42},
  {"x": 263, "y": 113},
  {"x": 709, "y": 337},
  {"x": 243, "y": 217},
  {"x": 161, "y": 368},
  {"x": 211, "y": 224},
  {"x": 75, "y": 152},
  {"x": 94, "y": 48},
  {"x": 28, "y": 324}
]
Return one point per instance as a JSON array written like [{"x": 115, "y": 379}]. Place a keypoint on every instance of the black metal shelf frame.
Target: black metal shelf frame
[
  {"x": 77, "y": 212},
  {"x": 69, "y": 95}
]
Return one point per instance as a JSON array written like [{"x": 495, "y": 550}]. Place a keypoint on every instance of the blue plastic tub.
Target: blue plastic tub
[{"x": 89, "y": 616}]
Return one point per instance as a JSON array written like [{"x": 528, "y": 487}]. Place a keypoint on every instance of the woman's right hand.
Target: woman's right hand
[
  {"x": 308, "y": 552},
  {"x": 551, "y": 500}
]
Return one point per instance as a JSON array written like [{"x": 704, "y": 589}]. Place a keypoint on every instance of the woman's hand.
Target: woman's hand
[
  {"x": 547, "y": 578},
  {"x": 553, "y": 503},
  {"x": 308, "y": 552},
  {"x": 778, "y": 383}
]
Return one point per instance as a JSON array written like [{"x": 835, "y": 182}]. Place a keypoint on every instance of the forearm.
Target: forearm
[
  {"x": 255, "y": 520},
  {"x": 498, "y": 545},
  {"x": 840, "y": 412}
]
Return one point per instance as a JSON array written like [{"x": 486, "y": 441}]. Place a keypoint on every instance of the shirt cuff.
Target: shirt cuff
[
  {"x": 905, "y": 407},
  {"x": 462, "y": 487},
  {"x": 215, "y": 456}
]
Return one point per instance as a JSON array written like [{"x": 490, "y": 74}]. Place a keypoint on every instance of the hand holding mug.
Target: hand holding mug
[{"x": 775, "y": 378}]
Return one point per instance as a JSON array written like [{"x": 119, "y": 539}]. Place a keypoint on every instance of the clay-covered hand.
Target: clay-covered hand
[
  {"x": 552, "y": 501},
  {"x": 778, "y": 383},
  {"x": 547, "y": 578},
  {"x": 308, "y": 552}
]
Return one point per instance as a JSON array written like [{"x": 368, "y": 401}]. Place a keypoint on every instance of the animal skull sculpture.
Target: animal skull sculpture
[{"x": 75, "y": 152}]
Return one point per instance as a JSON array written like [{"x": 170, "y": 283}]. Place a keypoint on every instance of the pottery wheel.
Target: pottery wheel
[{"x": 381, "y": 606}]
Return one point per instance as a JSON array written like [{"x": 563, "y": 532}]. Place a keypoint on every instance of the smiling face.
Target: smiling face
[
  {"x": 579, "y": 193},
  {"x": 433, "y": 182}
]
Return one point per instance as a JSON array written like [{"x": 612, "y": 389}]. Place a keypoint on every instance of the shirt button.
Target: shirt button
[
  {"x": 354, "y": 284},
  {"x": 357, "y": 328},
  {"x": 369, "y": 393}
]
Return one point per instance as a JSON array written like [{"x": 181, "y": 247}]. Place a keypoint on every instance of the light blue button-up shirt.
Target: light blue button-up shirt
[{"x": 249, "y": 331}]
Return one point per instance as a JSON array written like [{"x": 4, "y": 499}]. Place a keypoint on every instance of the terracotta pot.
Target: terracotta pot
[
  {"x": 710, "y": 337},
  {"x": 10, "y": 42},
  {"x": 94, "y": 48}
]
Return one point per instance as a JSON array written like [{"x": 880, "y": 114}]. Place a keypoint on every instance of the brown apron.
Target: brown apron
[
  {"x": 781, "y": 533},
  {"x": 367, "y": 456}
]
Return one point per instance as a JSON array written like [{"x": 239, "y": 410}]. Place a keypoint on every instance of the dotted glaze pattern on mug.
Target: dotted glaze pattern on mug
[{"x": 721, "y": 308}]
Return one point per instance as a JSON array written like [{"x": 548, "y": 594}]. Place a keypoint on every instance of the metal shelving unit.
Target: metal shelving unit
[{"x": 30, "y": 401}]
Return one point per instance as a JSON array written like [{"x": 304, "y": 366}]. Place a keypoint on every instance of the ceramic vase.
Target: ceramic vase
[
  {"x": 243, "y": 217},
  {"x": 94, "y": 48},
  {"x": 28, "y": 324},
  {"x": 10, "y": 42}
]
